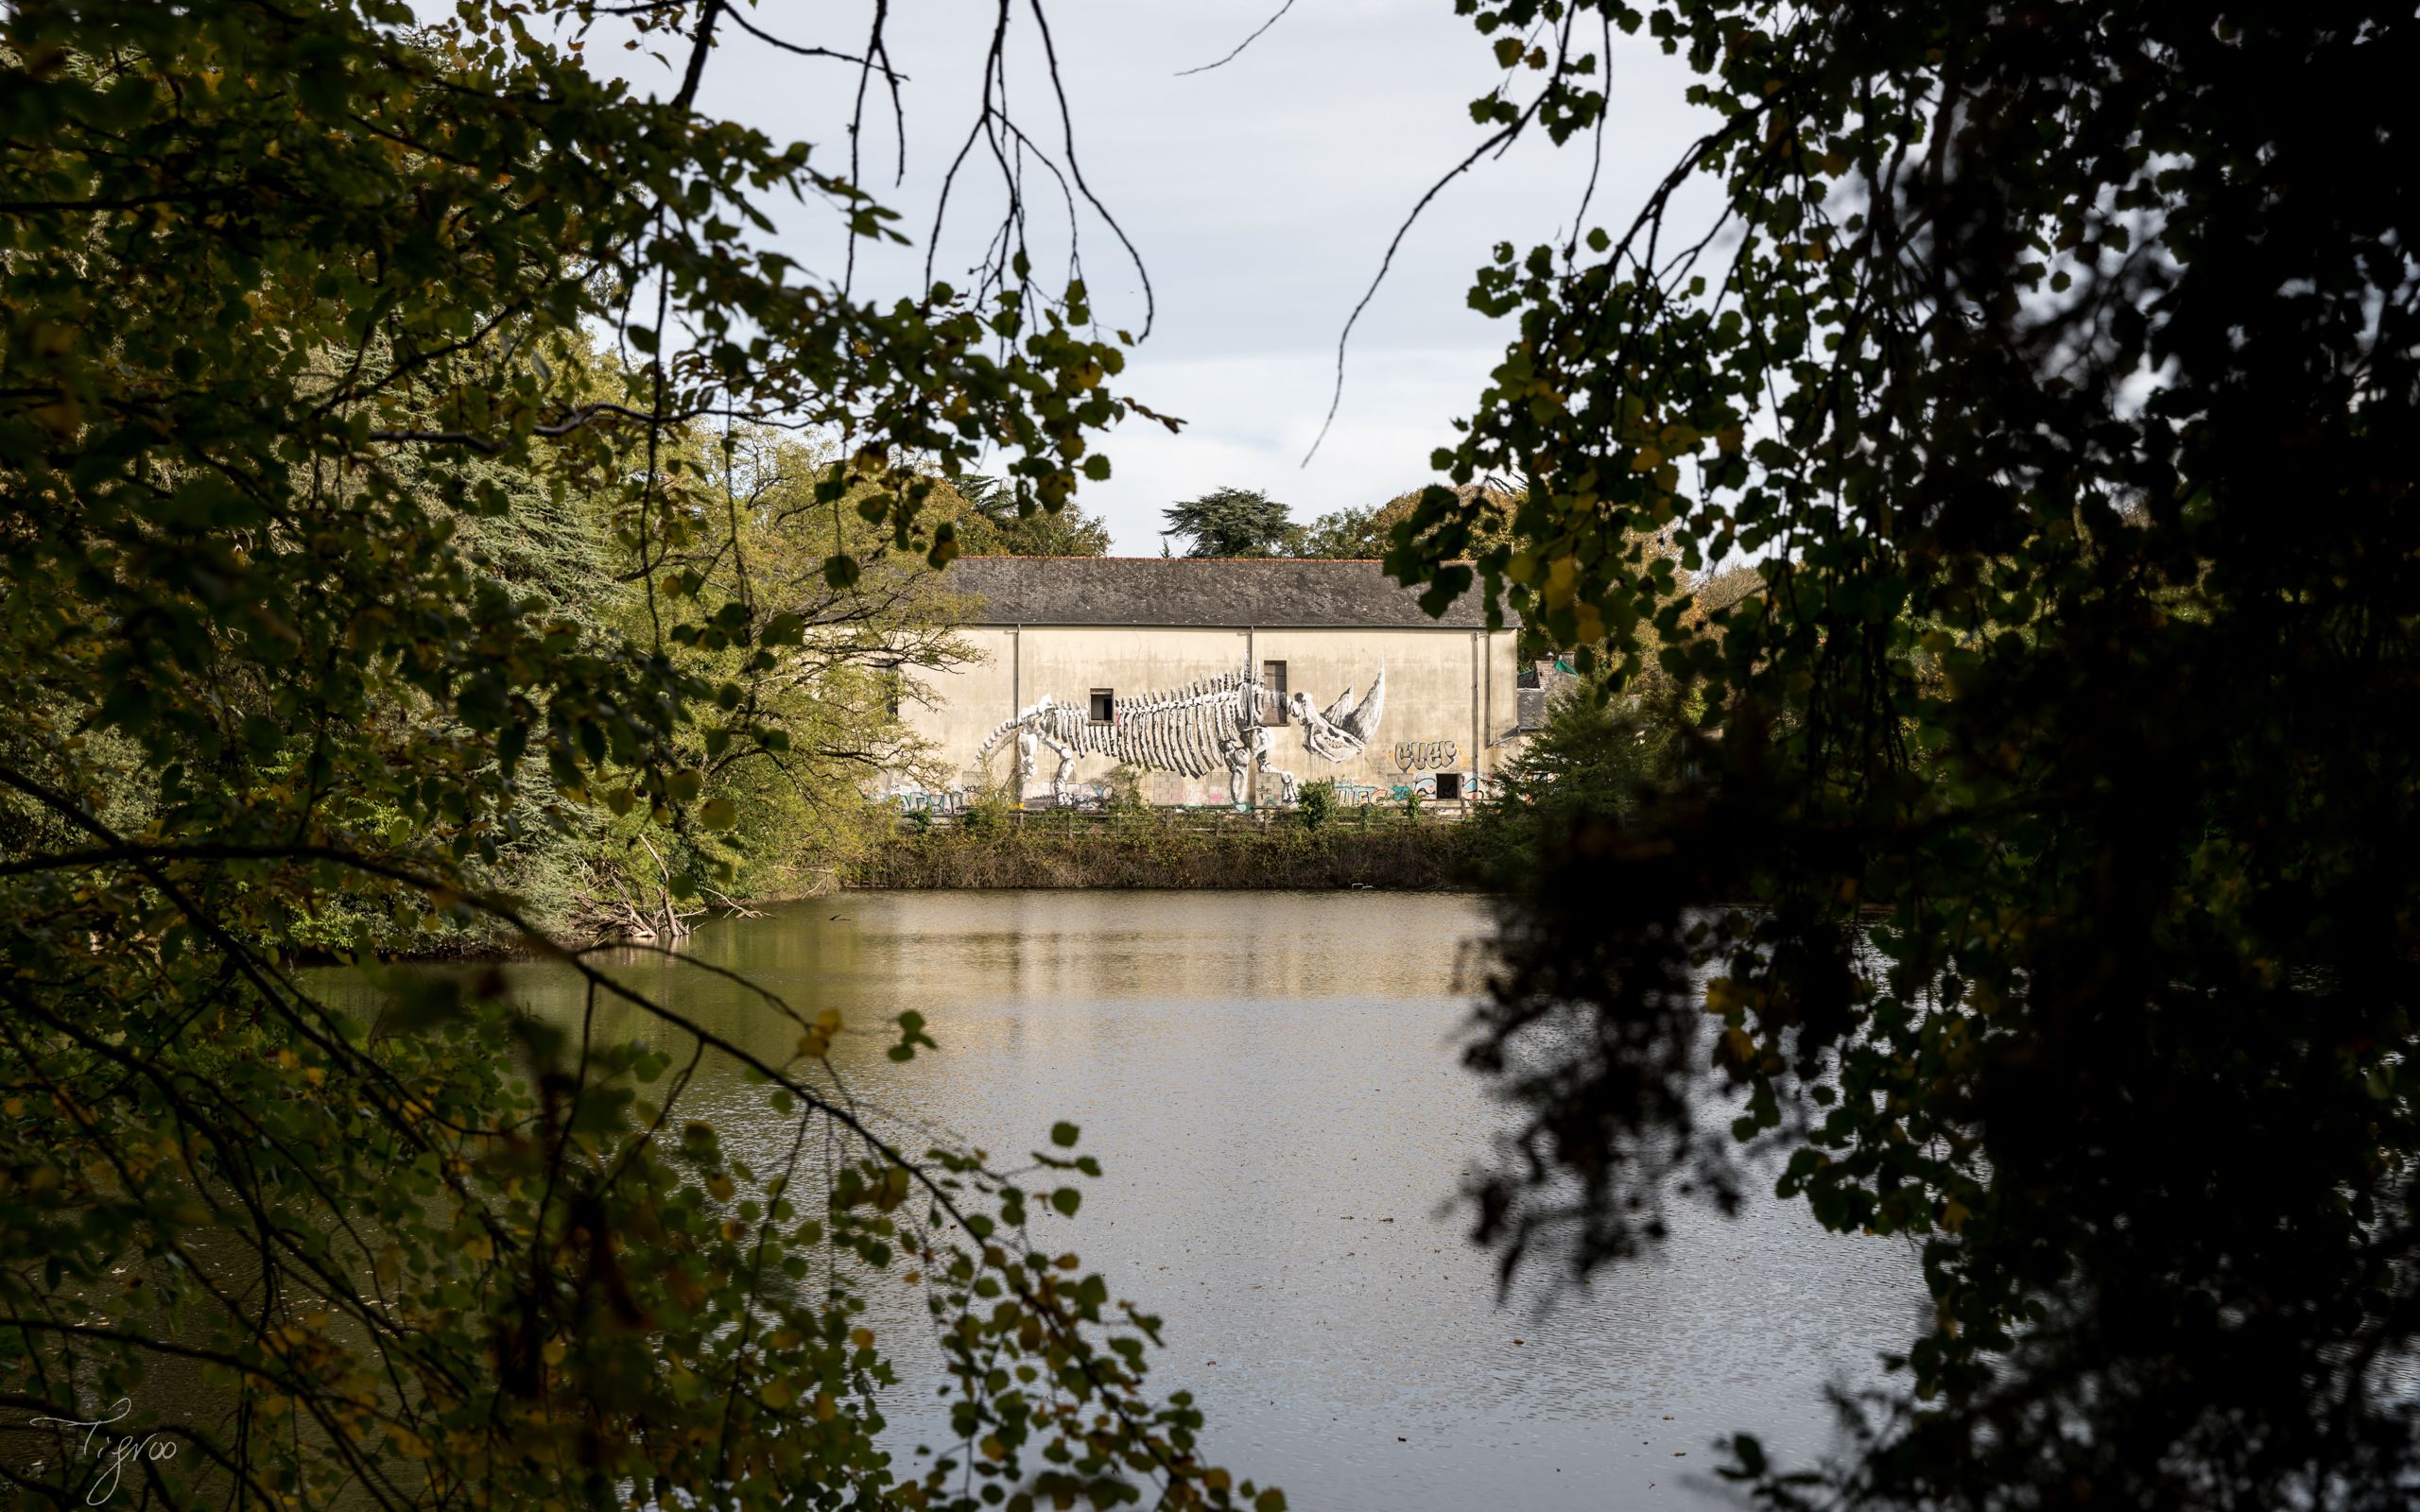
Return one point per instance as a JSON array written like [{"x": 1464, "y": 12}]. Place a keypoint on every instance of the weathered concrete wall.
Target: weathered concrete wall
[{"x": 1450, "y": 703}]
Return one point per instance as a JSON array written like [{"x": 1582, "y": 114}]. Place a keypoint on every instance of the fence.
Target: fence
[
  {"x": 988, "y": 847},
  {"x": 1071, "y": 819}
]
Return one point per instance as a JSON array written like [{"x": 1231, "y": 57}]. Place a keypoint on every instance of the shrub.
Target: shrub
[
  {"x": 1593, "y": 765},
  {"x": 1318, "y": 801}
]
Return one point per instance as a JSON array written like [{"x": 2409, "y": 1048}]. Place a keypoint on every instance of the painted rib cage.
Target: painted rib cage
[
  {"x": 1188, "y": 729},
  {"x": 1199, "y": 727}
]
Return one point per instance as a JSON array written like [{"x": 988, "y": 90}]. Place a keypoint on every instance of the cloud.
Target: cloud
[{"x": 1250, "y": 418}]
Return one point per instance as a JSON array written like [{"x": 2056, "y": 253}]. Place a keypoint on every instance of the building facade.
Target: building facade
[{"x": 1214, "y": 682}]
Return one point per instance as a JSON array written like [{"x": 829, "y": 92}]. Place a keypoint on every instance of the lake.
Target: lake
[{"x": 1272, "y": 1080}]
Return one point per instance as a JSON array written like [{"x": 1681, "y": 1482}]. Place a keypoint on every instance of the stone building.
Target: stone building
[{"x": 1216, "y": 683}]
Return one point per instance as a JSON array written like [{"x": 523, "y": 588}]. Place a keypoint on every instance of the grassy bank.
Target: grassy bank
[{"x": 1166, "y": 850}]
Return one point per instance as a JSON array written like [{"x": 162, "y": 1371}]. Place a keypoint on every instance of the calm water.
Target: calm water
[{"x": 1270, "y": 1080}]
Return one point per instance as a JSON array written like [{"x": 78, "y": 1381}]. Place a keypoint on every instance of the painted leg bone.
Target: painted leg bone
[
  {"x": 1028, "y": 744},
  {"x": 1063, "y": 778},
  {"x": 1238, "y": 762},
  {"x": 1289, "y": 790}
]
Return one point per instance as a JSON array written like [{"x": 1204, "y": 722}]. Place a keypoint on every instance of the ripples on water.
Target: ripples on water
[{"x": 1270, "y": 1080}]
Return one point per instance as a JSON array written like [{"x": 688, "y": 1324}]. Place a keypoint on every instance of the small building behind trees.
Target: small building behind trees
[{"x": 1201, "y": 681}]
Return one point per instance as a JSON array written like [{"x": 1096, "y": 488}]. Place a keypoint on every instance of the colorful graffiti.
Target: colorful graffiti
[
  {"x": 927, "y": 800},
  {"x": 1473, "y": 787},
  {"x": 1369, "y": 795},
  {"x": 1358, "y": 795}
]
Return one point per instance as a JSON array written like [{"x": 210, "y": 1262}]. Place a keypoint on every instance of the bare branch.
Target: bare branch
[
  {"x": 869, "y": 62},
  {"x": 1502, "y": 136},
  {"x": 1241, "y": 45},
  {"x": 1074, "y": 169}
]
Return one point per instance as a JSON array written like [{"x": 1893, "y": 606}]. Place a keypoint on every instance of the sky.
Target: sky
[{"x": 1260, "y": 194}]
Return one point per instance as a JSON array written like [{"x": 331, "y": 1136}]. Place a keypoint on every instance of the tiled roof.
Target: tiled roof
[{"x": 1274, "y": 593}]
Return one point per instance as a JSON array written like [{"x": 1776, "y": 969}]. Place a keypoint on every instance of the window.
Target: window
[
  {"x": 1449, "y": 786},
  {"x": 1272, "y": 679},
  {"x": 1105, "y": 706},
  {"x": 891, "y": 687}
]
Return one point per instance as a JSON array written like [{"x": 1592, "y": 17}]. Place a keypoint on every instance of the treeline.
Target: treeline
[
  {"x": 1237, "y": 521},
  {"x": 1225, "y": 522},
  {"x": 769, "y": 801}
]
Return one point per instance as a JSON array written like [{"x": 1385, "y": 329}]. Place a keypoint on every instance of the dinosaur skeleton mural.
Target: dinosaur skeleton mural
[{"x": 1194, "y": 730}]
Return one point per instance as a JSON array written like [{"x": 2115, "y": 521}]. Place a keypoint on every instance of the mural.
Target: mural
[{"x": 1195, "y": 730}]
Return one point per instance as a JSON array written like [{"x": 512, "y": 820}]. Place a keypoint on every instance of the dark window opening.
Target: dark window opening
[
  {"x": 1449, "y": 786},
  {"x": 891, "y": 692},
  {"x": 1105, "y": 706},
  {"x": 1272, "y": 677}
]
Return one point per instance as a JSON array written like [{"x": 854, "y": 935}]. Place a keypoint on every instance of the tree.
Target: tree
[
  {"x": 2057, "y": 366},
  {"x": 305, "y": 464},
  {"x": 810, "y": 726},
  {"x": 998, "y": 522},
  {"x": 1596, "y": 759},
  {"x": 1231, "y": 522},
  {"x": 1345, "y": 534}
]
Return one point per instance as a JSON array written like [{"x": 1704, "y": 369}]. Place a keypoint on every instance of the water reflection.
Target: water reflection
[{"x": 1270, "y": 1082}]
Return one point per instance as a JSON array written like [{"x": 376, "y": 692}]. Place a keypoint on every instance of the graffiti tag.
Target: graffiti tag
[
  {"x": 1425, "y": 755},
  {"x": 923, "y": 800}
]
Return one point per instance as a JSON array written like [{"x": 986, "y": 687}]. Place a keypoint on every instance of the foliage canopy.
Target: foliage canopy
[
  {"x": 998, "y": 524},
  {"x": 2056, "y": 367},
  {"x": 339, "y": 347},
  {"x": 1231, "y": 522}
]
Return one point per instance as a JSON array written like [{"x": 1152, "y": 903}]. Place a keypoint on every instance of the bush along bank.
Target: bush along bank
[{"x": 1143, "y": 847}]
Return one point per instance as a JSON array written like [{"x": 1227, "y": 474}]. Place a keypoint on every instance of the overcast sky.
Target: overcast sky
[{"x": 1261, "y": 195}]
